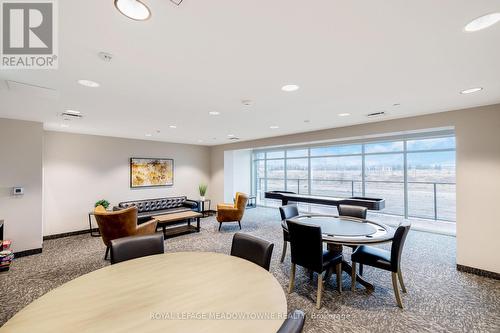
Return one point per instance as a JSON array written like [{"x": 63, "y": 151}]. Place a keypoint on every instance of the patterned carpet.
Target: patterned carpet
[{"x": 439, "y": 299}]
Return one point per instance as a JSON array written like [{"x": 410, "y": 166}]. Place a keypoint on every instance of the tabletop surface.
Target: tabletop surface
[
  {"x": 173, "y": 292},
  {"x": 345, "y": 230},
  {"x": 177, "y": 216}
]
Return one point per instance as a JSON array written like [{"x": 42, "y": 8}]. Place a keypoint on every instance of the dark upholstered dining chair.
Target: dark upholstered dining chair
[
  {"x": 132, "y": 247},
  {"x": 383, "y": 259},
  {"x": 251, "y": 248},
  {"x": 353, "y": 211},
  {"x": 294, "y": 323},
  {"x": 306, "y": 242},
  {"x": 356, "y": 212},
  {"x": 286, "y": 212}
]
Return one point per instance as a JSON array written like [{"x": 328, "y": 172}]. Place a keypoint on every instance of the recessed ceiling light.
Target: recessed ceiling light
[
  {"x": 72, "y": 112},
  {"x": 133, "y": 9},
  {"x": 214, "y": 113},
  {"x": 471, "y": 90},
  {"x": 64, "y": 125},
  {"x": 274, "y": 127},
  {"x": 344, "y": 114},
  {"x": 172, "y": 126},
  {"x": 290, "y": 87},
  {"x": 230, "y": 135},
  {"x": 149, "y": 134},
  {"x": 89, "y": 83},
  {"x": 482, "y": 22}
]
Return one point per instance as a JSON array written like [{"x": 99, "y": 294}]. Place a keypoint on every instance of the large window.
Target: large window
[{"x": 416, "y": 177}]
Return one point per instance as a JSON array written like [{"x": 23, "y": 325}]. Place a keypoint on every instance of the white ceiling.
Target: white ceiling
[{"x": 353, "y": 56}]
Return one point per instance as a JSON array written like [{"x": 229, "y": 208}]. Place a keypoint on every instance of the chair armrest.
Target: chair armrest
[
  {"x": 225, "y": 206},
  {"x": 147, "y": 228},
  {"x": 190, "y": 204}
]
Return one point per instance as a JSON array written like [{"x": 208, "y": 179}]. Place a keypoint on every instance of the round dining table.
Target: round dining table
[
  {"x": 172, "y": 292},
  {"x": 338, "y": 231}
]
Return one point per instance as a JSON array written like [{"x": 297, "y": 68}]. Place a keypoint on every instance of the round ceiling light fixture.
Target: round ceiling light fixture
[
  {"x": 344, "y": 114},
  {"x": 482, "y": 22},
  {"x": 290, "y": 87},
  {"x": 274, "y": 127},
  {"x": 471, "y": 90},
  {"x": 172, "y": 126},
  {"x": 88, "y": 83},
  {"x": 133, "y": 9},
  {"x": 214, "y": 113}
]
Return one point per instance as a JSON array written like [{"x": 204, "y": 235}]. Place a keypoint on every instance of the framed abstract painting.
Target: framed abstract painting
[{"x": 151, "y": 172}]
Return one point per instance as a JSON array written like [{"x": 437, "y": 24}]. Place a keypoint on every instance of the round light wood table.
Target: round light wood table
[{"x": 173, "y": 292}]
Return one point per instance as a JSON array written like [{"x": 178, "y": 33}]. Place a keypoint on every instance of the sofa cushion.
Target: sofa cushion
[{"x": 154, "y": 204}]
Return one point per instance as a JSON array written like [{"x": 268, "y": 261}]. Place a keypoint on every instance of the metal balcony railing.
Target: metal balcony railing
[{"x": 420, "y": 199}]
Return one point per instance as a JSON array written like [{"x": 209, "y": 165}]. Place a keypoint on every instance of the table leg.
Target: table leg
[
  {"x": 189, "y": 222},
  {"x": 197, "y": 224},
  {"x": 96, "y": 234},
  {"x": 346, "y": 267},
  {"x": 164, "y": 228}
]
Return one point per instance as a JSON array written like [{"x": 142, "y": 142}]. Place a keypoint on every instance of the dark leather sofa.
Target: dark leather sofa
[{"x": 161, "y": 206}]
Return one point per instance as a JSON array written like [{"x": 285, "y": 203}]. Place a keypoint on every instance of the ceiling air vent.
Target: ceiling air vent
[
  {"x": 71, "y": 115},
  {"x": 376, "y": 114}
]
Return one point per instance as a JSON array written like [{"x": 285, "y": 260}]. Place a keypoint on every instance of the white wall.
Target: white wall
[
  {"x": 237, "y": 174},
  {"x": 21, "y": 165},
  {"x": 81, "y": 169},
  {"x": 478, "y": 171}
]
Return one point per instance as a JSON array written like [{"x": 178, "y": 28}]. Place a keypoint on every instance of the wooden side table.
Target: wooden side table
[{"x": 203, "y": 205}]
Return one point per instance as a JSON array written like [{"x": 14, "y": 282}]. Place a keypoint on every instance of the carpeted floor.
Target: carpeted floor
[{"x": 439, "y": 299}]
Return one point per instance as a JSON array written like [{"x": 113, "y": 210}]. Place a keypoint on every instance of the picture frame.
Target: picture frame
[{"x": 151, "y": 172}]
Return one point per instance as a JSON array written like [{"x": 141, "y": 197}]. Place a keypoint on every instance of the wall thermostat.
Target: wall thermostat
[{"x": 18, "y": 190}]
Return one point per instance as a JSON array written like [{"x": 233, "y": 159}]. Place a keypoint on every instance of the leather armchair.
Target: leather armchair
[
  {"x": 232, "y": 212},
  {"x": 121, "y": 223}
]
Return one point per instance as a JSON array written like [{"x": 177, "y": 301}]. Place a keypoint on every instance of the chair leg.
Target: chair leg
[
  {"x": 396, "y": 289},
  {"x": 320, "y": 291},
  {"x": 220, "y": 225},
  {"x": 353, "y": 277},
  {"x": 400, "y": 277},
  {"x": 328, "y": 274},
  {"x": 339, "y": 277},
  {"x": 283, "y": 253},
  {"x": 361, "y": 269},
  {"x": 106, "y": 255},
  {"x": 292, "y": 279},
  {"x": 239, "y": 223}
]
